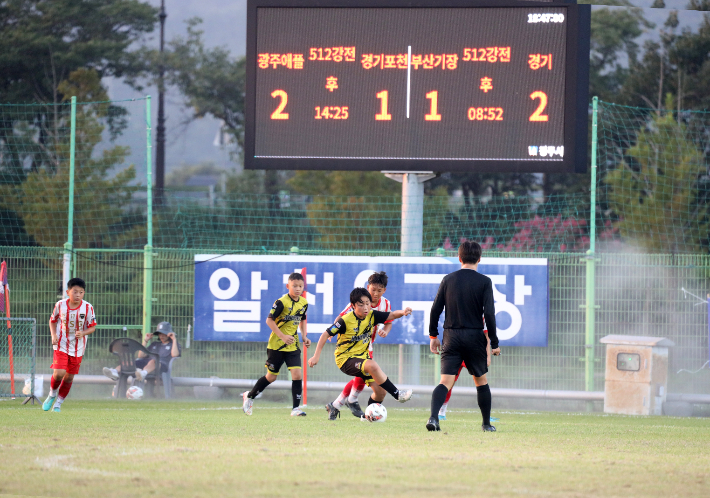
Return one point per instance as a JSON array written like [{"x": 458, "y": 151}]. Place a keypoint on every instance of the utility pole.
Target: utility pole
[{"x": 160, "y": 138}]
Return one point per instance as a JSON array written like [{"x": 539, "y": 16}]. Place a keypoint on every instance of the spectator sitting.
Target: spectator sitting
[{"x": 166, "y": 348}]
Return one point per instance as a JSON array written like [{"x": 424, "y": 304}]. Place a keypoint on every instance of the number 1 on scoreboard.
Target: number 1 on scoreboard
[
  {"x": 383, "y": 115},
  {"x": 434, "y": 111}
]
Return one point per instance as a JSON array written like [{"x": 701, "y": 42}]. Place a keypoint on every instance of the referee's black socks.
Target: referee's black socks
[
  {"x": 296, "y": 391},
  {"x": 484, "y": 403},
  {"x": 260, "y": 385},
  {"x": 389, "y": 387},
  {"x": 437, "y": 399}
]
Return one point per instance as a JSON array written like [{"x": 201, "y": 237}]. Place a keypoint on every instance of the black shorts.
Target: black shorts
[
  {"x": 353, "y": 368},
  {"x": 142, "y": 362},
  {"x": 274, "y": 360},
  {"x": 467, "y": 346}
]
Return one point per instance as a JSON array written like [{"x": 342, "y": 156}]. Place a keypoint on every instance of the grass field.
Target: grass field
[{"x": 199, "y": 449}]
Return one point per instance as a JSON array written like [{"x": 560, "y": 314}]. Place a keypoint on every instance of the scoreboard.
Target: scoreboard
[{"x": 417, "y": 86}]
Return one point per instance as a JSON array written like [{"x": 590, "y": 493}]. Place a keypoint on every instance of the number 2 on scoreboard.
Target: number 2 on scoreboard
[
  {"x": 278, "y": 113},
  {"x": 538, "y": 114}
]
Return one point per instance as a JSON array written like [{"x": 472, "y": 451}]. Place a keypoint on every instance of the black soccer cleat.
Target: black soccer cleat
[
  {"x": 333, "y": 412},
  {"x": 355, "y": 409},
  {"x": 433, "y": 424},
  {"x": 488, "y": 428}
]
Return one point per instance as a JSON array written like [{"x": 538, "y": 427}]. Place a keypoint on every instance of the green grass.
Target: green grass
[{"x": 199, "y": 449}]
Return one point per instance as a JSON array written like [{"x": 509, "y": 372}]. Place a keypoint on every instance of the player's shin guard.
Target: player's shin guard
[
  {"x": 260, "y": 385},
  {"x": 437, "y": 399},
  {"x": 348, "y": 388},
  {"x": 296, "y": 391},
  {"x": 484, "y": 403},
  {"x": 390, "y": 388}
]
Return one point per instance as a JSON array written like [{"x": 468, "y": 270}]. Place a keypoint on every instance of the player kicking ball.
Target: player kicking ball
[
  {"x": 288, "y": 312},
  {"x": 354, "y": 331},
  {"x": 376, "y": 286}
]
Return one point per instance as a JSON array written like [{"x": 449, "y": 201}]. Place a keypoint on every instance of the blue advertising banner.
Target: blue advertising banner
[{"x": 234, "y": 294}]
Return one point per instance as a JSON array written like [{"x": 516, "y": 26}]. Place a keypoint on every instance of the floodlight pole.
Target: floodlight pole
[
  {"x": 160, "y": 138},
  {"x": 411, "y": 244}
]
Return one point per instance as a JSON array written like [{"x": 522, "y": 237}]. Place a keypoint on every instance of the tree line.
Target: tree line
[{"x": 52, "y": 49}]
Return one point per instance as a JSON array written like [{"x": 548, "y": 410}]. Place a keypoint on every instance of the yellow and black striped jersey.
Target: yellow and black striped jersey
[
  {"x": 287, "y": 314},
  {"x": 354, "y": 334}
]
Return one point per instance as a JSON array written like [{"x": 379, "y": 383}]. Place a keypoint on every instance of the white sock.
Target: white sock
[
  {"x": 338, "y": 403},
  {"x": 53, "y": 393},
  {"x": 442, "y": 410},
  {"x": 59, "y": 401},
  {"x": 354, "y": 393}
]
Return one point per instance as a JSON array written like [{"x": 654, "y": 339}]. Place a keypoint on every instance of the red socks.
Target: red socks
[
  {"x": 54, "y": 383},
  {"x": 348, "y": 387},
  {"x": 358, "y": 384},
  {"x": 64, "y": 389}
]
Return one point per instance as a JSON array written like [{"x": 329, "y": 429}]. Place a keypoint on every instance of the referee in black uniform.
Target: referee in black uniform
[{"x": 467, "y": 296}]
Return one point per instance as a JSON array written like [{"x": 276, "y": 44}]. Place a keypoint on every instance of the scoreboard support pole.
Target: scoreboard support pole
[{"x": 411, "y": 245}]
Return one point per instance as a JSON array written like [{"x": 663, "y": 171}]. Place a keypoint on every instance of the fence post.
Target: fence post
[
  {"x": 148, "y": 250},
  {"x": 590, "y": 306},
  {"x": 68, "y": 246}
]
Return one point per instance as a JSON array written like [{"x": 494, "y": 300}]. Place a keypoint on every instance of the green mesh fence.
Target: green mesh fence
[
  {"x": 109, "y": 199},
  {"x": 367, "y": 225},
  {"x": 651, "y": 226},
  {"x": 17, "y": 356},
  {"x": 654, "y": 188},
  {"x": 637, "y": 294}
]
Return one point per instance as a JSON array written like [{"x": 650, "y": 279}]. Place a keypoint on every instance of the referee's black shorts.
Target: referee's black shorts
[{"x": 467, "y": 346}]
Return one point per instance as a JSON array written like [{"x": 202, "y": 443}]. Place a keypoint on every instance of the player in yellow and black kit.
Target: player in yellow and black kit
[
  {"x": 354, "y": 331},
  {"x": 288, "y": 312}
]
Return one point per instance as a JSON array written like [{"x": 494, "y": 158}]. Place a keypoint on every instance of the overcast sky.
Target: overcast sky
[{"x": 225, "y": 25}]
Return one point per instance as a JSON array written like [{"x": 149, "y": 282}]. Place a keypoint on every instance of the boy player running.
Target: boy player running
[
  {"x": 354, "y": 331},
  {"x": 288, "y": 312},
  {"x": 376, "y": 286}
]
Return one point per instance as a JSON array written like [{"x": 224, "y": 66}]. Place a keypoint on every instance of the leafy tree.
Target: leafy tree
[
  {"x": 43, "y": 41},
  {"x": 101, "y": 193},
  {"x": 655, "y": 191}
]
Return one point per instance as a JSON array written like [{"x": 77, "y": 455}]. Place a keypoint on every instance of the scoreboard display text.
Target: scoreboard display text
[{"x": 431, "y": 86}]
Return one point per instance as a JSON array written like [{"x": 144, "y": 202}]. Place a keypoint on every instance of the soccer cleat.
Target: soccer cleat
[
  {"x": 488, "y": 428},
  {"x": 47, "y": 405},
  {"x": 57, "y": 409},
  {"x": 248, "y": 403},
  {"x": 354, "y": 408},
  {"x": 433, "y": 425},
  {"x": 111, "y": 373},
  {"x": 442, "y": 416},
  {"x": 297, "y": 412},
  {"x": 404, "y": 396},
  {"x": 333, "y": 412}
]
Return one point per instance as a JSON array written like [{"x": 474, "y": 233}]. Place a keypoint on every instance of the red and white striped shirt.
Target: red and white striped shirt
[
  {"x": 70, "y": 321},
  {"x": 383, "y": 305}
]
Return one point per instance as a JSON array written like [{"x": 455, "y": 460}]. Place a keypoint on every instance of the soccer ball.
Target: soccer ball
[
  {"x": 134, "y": 392},
  {"x": 376, "y": 413}
]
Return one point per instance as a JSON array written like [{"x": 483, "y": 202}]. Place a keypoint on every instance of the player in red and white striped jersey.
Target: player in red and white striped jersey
[
  {"x": 376, "y": 286},
  {"x": 76, "y": 320}
]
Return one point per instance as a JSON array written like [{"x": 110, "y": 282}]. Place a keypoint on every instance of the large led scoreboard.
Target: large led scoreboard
[{"x": 417, "y": 85}]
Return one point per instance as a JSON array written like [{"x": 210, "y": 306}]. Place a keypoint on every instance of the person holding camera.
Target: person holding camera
[{"x": 166, "y": 347}]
